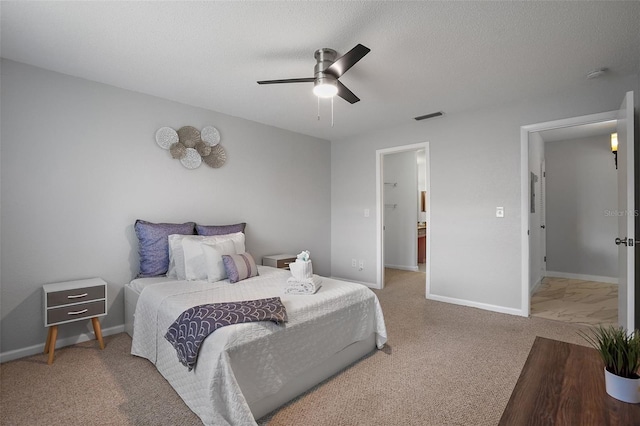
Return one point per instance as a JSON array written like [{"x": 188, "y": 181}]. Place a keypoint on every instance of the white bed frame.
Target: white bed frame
[{"x": 292, "y": 389}]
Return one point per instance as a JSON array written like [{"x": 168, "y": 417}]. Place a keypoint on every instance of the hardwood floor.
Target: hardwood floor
[{"x": 562, "y": 384}]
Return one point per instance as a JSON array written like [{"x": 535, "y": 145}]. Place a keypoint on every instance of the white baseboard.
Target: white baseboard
[
  {"x": 370, "y": 285},
  {"x": 536, "y": 286},
  {"x": 403, "y": 267},
  {"x": 584, "y": 277},
  {"x": 60, "y": 343},
  {"x": 479, "y": 305}
]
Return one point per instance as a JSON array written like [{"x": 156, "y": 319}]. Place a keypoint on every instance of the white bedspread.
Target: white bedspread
[{"x": 262, "y": 356}]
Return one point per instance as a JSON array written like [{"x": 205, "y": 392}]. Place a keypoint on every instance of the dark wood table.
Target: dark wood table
[{"x": 563, "y": 384}]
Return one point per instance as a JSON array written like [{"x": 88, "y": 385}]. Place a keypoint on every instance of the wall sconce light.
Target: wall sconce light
[{"x": 614, "y": 148}]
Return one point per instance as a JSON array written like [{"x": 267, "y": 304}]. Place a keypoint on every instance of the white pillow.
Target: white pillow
[
  {"x": 205, "y": 265},
  {"x": 176, "y": 255},
  {"x": 195, "y": 265},
  {"x": 237, "y": 238},
  {"x": 179, "y": 257},
  {"x": 213, "y": 258},
  {"x": 176, "y": 251}
]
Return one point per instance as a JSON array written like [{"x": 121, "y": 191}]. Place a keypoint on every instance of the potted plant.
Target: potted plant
[{"x": 620, "y": 352}]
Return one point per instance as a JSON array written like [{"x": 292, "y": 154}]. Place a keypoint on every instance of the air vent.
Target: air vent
[
  {"x": 597, "y": 73},
  {"x": 432, "y": 115}
]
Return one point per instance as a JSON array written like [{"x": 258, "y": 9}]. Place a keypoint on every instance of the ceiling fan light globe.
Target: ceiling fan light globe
[{"x": 325, "y": 90}]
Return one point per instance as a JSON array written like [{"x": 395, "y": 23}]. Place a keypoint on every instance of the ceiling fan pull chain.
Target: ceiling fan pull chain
[
  {"x": 331, "y": 112},
  {"x": 318, "y": 97}
]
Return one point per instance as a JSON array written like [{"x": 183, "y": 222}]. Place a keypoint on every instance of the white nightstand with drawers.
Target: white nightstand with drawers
[{"x": 71, "y": 301}]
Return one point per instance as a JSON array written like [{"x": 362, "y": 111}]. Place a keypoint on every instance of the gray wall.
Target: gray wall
[
  {"x": 474, "y": 167},
  {"x": 80, "y": 165},
  {"x": 401, "y": 230},
  {"x": 582, "y": 199}
]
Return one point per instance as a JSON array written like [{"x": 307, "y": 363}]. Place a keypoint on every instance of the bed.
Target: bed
[{"x": 244, "y": 371}]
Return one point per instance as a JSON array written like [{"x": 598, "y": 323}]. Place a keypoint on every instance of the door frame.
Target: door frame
[
  {"x": 524, "y": 189},
  {"x": 543, "y": 214},
  {"x": 380, "y": 153}
]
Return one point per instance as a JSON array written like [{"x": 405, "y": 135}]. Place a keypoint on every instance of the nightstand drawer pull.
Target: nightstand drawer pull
[
  {"x": 64, "y": 297},
  {"x": 76, "y": 311},
  {"x": 75, "y": 296}
]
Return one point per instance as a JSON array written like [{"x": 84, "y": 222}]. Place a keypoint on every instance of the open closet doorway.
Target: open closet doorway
[{"x": 402, "y": 200}]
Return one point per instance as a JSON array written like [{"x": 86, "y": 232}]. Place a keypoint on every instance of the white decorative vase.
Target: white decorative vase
[
  {"x": 301, "y": 270},
  {"x": 621, "y": 388}
]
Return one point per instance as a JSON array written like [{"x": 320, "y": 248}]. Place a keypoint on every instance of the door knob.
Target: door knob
[{"x": 622, "y": 241}]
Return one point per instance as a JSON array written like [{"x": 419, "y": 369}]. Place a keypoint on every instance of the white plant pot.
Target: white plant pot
[{"x": 621, "y": 388}]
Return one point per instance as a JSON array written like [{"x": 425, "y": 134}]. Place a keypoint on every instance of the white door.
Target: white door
[
  {"x": 400, "y": 171},
  {"x": 626, "y": 215}
]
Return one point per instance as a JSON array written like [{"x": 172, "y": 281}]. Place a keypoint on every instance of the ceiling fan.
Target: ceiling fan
[{"x": 327, "y": 71}]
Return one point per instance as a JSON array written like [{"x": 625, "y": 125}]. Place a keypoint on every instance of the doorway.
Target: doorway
[
  {"x": 573, "y": 263},
  {"x": 625, "y": 207},
  {"x": 389, "y": 207}
]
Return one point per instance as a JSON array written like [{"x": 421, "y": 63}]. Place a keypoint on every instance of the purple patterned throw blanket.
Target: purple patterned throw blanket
[{"x": 189, "y": 330}]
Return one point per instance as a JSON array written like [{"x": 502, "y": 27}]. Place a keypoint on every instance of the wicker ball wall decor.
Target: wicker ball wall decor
[
  {"x": 189, "y": 136},
  {"x": 193, "y": 147},
  {"x": 217, "y": 157},
  {"x": 178, "y": 150},
  {"x": 203, "y": 149}
]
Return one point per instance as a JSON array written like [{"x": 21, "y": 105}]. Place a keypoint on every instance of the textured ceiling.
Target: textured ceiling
[{"x": 425, "y": 56}]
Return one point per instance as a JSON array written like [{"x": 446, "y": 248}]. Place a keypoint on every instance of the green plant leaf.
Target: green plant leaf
[{"x": 619, "y": 349}]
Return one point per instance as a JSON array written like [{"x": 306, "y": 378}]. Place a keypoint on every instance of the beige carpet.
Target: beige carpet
[{"x": 444, "y": 365}]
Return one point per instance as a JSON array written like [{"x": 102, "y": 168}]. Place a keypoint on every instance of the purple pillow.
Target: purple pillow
[
  {"x": 210, "y": 230},
  {"x": 153, "y": 241},
  {"x": 239, "y": 266}
]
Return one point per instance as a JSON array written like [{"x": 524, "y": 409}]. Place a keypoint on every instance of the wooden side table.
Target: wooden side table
[
  {"x": 72, "y": 301},
  {"x": 563, "y": 384},
  {"x": 279, "y": 260}
]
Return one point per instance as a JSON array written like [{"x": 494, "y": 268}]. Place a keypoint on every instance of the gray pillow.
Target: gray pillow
[
  {"x": 239, "y": 266},
  {"x": 153, "y": 239},
  {"x": 209, "y": 230}
]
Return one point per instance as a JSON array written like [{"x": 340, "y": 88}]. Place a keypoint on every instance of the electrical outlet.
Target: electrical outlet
[
  {"x": 354, "y": 263},
  {"x": 499, "y": 211},
  {"x": 361, "y": 265}
]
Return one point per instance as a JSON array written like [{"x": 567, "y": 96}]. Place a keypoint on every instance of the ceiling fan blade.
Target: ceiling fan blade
[
  {"x": 289, "y": 80},
  {"x": 347, "y": 94},
  {"x": 346, "y": 61}
]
